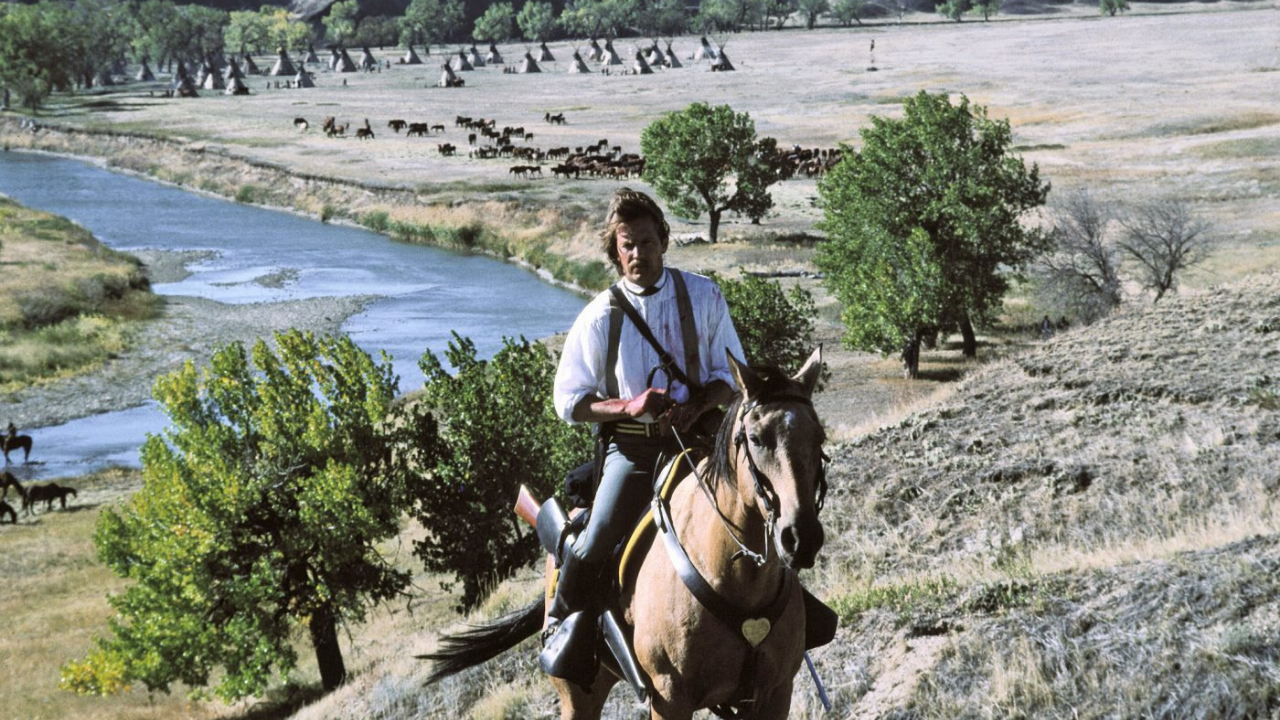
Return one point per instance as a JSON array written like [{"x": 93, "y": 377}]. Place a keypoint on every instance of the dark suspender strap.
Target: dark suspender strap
[
  {"x": 615, "y": 338},
  {"x": 688, "y": 327},
  {"x": 664, "y": 357}
]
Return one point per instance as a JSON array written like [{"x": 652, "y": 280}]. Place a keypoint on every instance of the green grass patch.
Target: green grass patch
[
  {"x": 1262, "y": 147},
  {"x": 941, "y": 595}
]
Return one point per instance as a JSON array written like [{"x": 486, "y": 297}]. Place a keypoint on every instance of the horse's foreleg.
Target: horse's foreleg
[{"x": 578, "y": 704}]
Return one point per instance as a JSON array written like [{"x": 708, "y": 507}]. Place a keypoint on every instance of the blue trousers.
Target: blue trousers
[{"x": 624, "y": 493}]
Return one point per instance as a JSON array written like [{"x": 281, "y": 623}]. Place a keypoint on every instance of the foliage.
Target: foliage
[
  {"x": 775, "y": 326},
  {"x": 537, "y": 20},
  {"x": 1111, "y": 7},
  {"x": 430, "y": 21},
  {"x": 496, "y": 24},
  {"x": 729, "y": 15},
  {"x": 260, "y": 513},
  {"x": 812, "y": 9},
  {"x": 595, "y": 18},
  {"x": 377, "y": 31},
  {"x": 924, "y": 222},
  {"x": 96, "y": 37},
  {"x": 1080, "y": 273},
  {"x": 987, "y": 8},
  {"x": 847, "y": 12},
  {"x": 340, "y": 23},
  {"x": 492, "y": 428},
  {"x": 33, "y": 59},
  {"x": 1164, "y": 238},
  {"x": 246, "y": 31},
  {"x": 268, "y": 29},
  {"x": 954, "y": 9},
  {"x": 663, "y": 18},
  {"x": 692, "y": 155}
]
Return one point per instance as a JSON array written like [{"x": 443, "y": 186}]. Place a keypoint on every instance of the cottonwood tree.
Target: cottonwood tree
[
  {"x": 924, "y": 225},
  {"x": 340, "y": 23},
  {"x": 1111, "y": 7},
  {"x": 492, "y": 427},
  {"x": 537, "y": 21},
  {"x": 430, "y": 21},
  {"x": 1080, "y": 272},
  {"x": 33, "y": 58},
  {"x": 496, "y": 24},
  {"x": 706, "y": 158},
  {"x": 847, "y": 12},
  {"x": 261, "y": 512},
  {"x": 954, "y": 9},
  {"x": 1164, "y": 238},
  {"x": 812, "y": 10}
]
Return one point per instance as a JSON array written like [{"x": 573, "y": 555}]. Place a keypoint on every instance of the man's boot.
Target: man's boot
[{"x": 569, "y": 648}]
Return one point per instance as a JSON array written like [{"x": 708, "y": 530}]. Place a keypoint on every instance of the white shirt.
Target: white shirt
[{"x": 582, "y": 370}]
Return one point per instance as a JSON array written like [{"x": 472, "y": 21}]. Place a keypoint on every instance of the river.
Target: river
[{"x": 424, "y": 293}]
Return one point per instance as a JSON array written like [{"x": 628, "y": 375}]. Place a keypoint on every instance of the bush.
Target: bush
[
  {"x": 247, "y": 194},
  {"x": 376, "y": 220},
  {"x": 775, "y": 326},
  {"x": 327, "y": 212},
  {"x": 492, "y": 428}
]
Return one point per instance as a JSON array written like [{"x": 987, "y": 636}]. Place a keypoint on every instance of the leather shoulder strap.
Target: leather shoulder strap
[
  {"x": 615, "y": 339},
  {"x": 668, "y": 363},
  {"x": 688, "y": 326}
]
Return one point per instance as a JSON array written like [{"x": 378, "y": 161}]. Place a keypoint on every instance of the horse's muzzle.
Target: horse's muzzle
[{"x": 800, "y": 542}]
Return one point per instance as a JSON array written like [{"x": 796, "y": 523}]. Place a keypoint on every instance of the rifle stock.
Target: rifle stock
[{"x": 527, "y": 507}]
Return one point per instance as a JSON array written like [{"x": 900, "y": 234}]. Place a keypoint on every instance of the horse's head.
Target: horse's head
[{"x": 774, "y": 440}]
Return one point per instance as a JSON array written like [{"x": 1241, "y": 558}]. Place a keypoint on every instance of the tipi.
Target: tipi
[
  {"x": 366, "y": 60},
  {"x": 722, "y": 63},
  {"x": 411, "y": 57},
  {"x": 474, "y": 57},
  {"x": 595, "y": 53},
  {"x": 144, "y": 72},
  {"x": 283, "y": 66},
  {"x": 610, "y": 56},
  {"x": 461, "y": 63},
  {"x": 494, "y": 57},
  {"x": 212, "y": 79},
  {"x": 544, "y": 54},
  {"x": 344, "y": 64},
  {"x": 249, "y": 67},
  {"x": 303, "y": 80},
  {"x": 529, "y": 65},
  {"x": 236, "y": 86},
  {"x": 577, "y": 66},
  {"x": 704, "y": 51},
  {"x": 182, "y": 85},
  {"x": 311, "y": 55},
  {"x": 640, "y": 67},
  {"x": 447, "y": 78},
  {"x": 672, "y": 60}
]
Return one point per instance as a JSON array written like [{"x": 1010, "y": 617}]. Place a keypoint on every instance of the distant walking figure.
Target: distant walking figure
[
  {"x": 1046, "y": 328},
  {"x": 12, "y": 441}
]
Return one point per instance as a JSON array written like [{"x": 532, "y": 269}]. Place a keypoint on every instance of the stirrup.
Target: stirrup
[{"x": 570, "y": 652}]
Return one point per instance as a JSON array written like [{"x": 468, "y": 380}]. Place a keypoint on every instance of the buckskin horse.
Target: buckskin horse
[{"x": 748, "y": 520}]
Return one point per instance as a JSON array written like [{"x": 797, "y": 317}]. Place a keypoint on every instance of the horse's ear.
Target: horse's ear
[
  {"x": 747, "y": 380},
  {"x": 812, "y": 370}
]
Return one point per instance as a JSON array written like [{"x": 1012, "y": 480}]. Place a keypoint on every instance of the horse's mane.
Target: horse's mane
[{"x": 772, "y": 381}]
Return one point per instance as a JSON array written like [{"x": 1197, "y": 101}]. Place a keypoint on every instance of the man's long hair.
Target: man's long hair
[{"x": 628, "y": 206}]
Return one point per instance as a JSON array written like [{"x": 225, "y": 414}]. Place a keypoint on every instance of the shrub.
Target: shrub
[
  {"x": 376, "y": 220},
  {"x": 327, "y": 212},
  {"x": 775, "y": 326},
  {"x": 247, "y": 194}
]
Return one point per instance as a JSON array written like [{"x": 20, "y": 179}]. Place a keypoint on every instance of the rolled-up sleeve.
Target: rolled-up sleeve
[{"x": 581, "y": 369}]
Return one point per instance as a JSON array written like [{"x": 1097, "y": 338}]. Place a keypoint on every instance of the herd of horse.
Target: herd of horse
[{"x": 30, "y": 496}]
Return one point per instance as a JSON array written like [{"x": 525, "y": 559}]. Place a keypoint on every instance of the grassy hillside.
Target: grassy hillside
[{"x": 66, "y": 300}]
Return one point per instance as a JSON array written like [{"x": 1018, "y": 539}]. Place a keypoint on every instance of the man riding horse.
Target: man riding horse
[
  {"x": 12, "y": 441},
  {"x": 638, "y": 389}
]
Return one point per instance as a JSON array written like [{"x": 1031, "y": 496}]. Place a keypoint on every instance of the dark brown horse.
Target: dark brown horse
[
  {"x": 46, "y": 494},
  {"x": 7, "y": 480},
  {"x": 14, "y": 442},
  {"x": 747, "y": 524}
]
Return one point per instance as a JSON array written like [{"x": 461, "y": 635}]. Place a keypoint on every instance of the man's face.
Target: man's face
[{"x": 640, "y": 251}]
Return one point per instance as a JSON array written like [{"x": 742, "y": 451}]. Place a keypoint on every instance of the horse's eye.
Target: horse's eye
[{"x": 755, "y": 440}]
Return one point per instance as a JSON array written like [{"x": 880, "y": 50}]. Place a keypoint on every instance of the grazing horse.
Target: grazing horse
[
  {"x": 7, "y": 509},
  {"x": 13, "y": 442},
  {"x": 301, "y": 124},
  {"x": 6, "y": 480},
  {"x": 46, "y": 494},
  {"x": 744, "y": 526}
]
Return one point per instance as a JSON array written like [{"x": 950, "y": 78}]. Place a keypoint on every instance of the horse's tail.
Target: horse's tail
[{"x": 481, "y": 643}]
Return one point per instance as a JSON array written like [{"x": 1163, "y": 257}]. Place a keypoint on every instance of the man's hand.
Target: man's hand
[
  {"x": 653, "y": 402},
  {"x": 684, "y": 416}
]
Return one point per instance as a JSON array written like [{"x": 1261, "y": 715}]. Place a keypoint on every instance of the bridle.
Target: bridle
[{"x": 763, "y": 485}]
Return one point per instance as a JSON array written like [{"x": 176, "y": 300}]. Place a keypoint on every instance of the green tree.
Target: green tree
[
  {"x": 197, "y": 31},
  {"x": 663, "y": 18},
  {"x": 987, "y": 8},
  {"x": 954, "y": 9},
  {"x": 260, "y": 514},
  {"x": 247, "y": 31},
  {"x": 155, "y": 21},
  {"x": 537, "y": 21},
  {"x": 430, "y": 21},
  {"x": 495, "y": 429},
  {"x": 376, "y": 31},
  {"x": 775, "y": 326},
  {"x": 941, "y": 182},
  {"x": 496, "y": 24},
  {"x": 812, "y": 10},
  {"x": 708, "y": 158},
  {"x": 847, "y": 12},
  {"x": 594, "y": 18},
  {"x": 340, "y": 23},
  {"x": 33, "y": 58},
  {"x": 1111, "y": 7}
]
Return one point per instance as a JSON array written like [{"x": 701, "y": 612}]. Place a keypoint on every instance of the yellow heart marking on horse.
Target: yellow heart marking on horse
[{"x": 756, "y": 630}]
